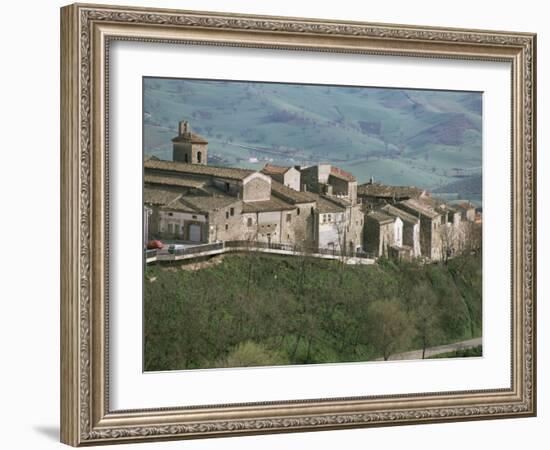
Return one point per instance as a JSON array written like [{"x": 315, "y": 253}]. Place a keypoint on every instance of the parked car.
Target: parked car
[
  {"x": 155, "y": 244},
  {"x": 172, "y": 248}
]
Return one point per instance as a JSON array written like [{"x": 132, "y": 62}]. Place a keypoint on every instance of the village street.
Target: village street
[{"x": 417, "y": 354}]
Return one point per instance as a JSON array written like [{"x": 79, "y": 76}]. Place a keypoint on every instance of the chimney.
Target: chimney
[{"x": 183, "y": 127}]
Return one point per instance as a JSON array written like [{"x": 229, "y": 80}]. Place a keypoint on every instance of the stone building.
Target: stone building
[
  {"x": 430, "y": 224},
  {"x": 411, "y": 229},
  {"x": 382, "y": 232},
  {"x": 194, "y": 202},
  {"x": 189, "y": 147},
  {"x": 374, "y": 195},
  {"x": 289, "y": 176}
]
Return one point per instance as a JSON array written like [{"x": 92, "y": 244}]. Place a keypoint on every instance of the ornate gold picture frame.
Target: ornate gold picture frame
[{"x": 87, "y": 32}]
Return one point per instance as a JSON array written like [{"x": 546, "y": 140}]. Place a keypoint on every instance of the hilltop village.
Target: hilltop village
[{"x": 315, "y": 208}]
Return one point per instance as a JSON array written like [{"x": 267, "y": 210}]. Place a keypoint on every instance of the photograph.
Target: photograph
[{"x": 297, "y": 224}]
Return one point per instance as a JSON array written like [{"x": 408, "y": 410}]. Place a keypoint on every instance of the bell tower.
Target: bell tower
[{"x": 189, "y": 147}]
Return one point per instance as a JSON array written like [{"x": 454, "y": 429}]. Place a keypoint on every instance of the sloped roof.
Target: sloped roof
[
  {"x": 207, "y": 203},
  {"x": 291, "y": 195},
  {"x": 160, "y": 197},
  {"x": 386, "y": 191},
  {"x": 403, "y": 215},
  {"x": 339, "y": 173},
  {"x": 272, "y": 169},
  {"x": 380, "y": 217},
  {"x": 192, "y": 138},
  {"x": 172, "y": 181},
  {"x": 229, "y": 173},
  {"x": 419, "y": 207},
  {"x": 325, "y": 205},
  {"x": 274, "y": 204}
]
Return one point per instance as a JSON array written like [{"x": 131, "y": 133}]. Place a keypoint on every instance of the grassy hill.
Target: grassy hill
[
  {"x": 397, "y": 136},
  {"x": 257, "y": 309}
]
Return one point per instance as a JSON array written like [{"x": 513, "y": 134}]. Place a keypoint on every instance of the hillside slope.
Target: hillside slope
[{"x": 397, "y": 136}]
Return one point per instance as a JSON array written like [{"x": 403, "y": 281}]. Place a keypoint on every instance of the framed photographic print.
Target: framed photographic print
[{"x": 278, "y": 224}]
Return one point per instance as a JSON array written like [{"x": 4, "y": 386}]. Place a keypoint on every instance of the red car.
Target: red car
[{"x": 154, "y": 245}]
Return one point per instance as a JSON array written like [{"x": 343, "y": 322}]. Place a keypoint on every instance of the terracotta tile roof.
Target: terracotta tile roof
[
  {"x": 403, "y": 215},
  {"x": 229, "y": 173},
  {"x": 291, "y": 195},
  {"x": 380, "y": 217},
  {"x": 190, "y": 137},
  {"x": 339, "y": 173},
  {"x": 386, "y": 191},
  {"x": 269, "y": 205},
  {"x": 272, "y": 169}
]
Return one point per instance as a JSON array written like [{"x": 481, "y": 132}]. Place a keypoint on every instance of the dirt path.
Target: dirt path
[{"x": 417, "y": 354}]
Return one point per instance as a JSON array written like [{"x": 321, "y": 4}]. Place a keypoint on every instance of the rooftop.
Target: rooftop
[
  {"x": 172, "y": 181},
  {"x": 272, "y": 169},
  {"x": 269, "y": 205},
  {"x": 291, "y": 195},
  {"x": 206, "y": 203},
  {"x": 325, "y": 205},
  {"x": 386, "y": 191},
  {"x": 229, "y": 173},
  {"x": 192, "y": 138},
  {"x": 420, "y": 207},
  {"x": 380, "y": 217},
  {"x": 160, "y": 197},
  {"x": 403, "y": 215},
  {"x": 339, "y": 173}
]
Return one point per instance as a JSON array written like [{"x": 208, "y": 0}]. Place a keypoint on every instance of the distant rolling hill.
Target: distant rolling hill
[{"x": 397, "y": 136}]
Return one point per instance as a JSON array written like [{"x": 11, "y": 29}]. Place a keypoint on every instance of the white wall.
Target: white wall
[{"x": 29, "y": 322}]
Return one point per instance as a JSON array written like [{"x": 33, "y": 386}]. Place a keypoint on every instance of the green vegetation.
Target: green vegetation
[
  {"x": 257, "y": 309},
  {"x": 399, "y": 136},
  {"x": 463, "y": 353}
]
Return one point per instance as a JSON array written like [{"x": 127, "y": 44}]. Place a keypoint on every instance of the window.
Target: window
[
  {"x": 170, "y": 214},
  {"x": 199, "y": 157},
  {"x": 194, "y": 217},
  {"x": 232, "y": 211},
  {"x": 227, "y": 187},
  {"x": 226, "y": 227},
  {"x": 227, "y": 214},
  {"x": 249, "y": 222},
  {"x": 186, "y": 158},
  {"x": 298, "y": 211},
  {"x": 288, "y": 217},
  {"x": 330, "y": 217},
  {"x": 324, "y": 218}
]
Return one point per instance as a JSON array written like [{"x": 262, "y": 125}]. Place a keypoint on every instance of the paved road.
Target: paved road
[{"x": 417, "y": 354}]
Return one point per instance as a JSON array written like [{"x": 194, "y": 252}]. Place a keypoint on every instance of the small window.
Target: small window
[
  {"x": 289, "y": 217},
  {"x": 227, "y": 214},
  {"x": 170, "y": 214},
  {"x": 226, "y": 227},
  {"x": 199, "y": 157},
  {"x": 249, "y": 222},
  {"x": 194, "y": 217},
  {"x": 232, "y": 211},
  {"x": 298, "y": 211},
  {"x": 330, "y": 217},
  {"x": 227, "y": 187}
]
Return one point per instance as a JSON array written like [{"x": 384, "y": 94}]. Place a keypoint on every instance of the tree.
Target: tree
[
  {"x": 388, "y": 328},
  {"x": 427, "y": 321}
]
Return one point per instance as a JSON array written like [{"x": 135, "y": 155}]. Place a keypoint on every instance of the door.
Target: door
[{"x": 194, "y": 233}]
